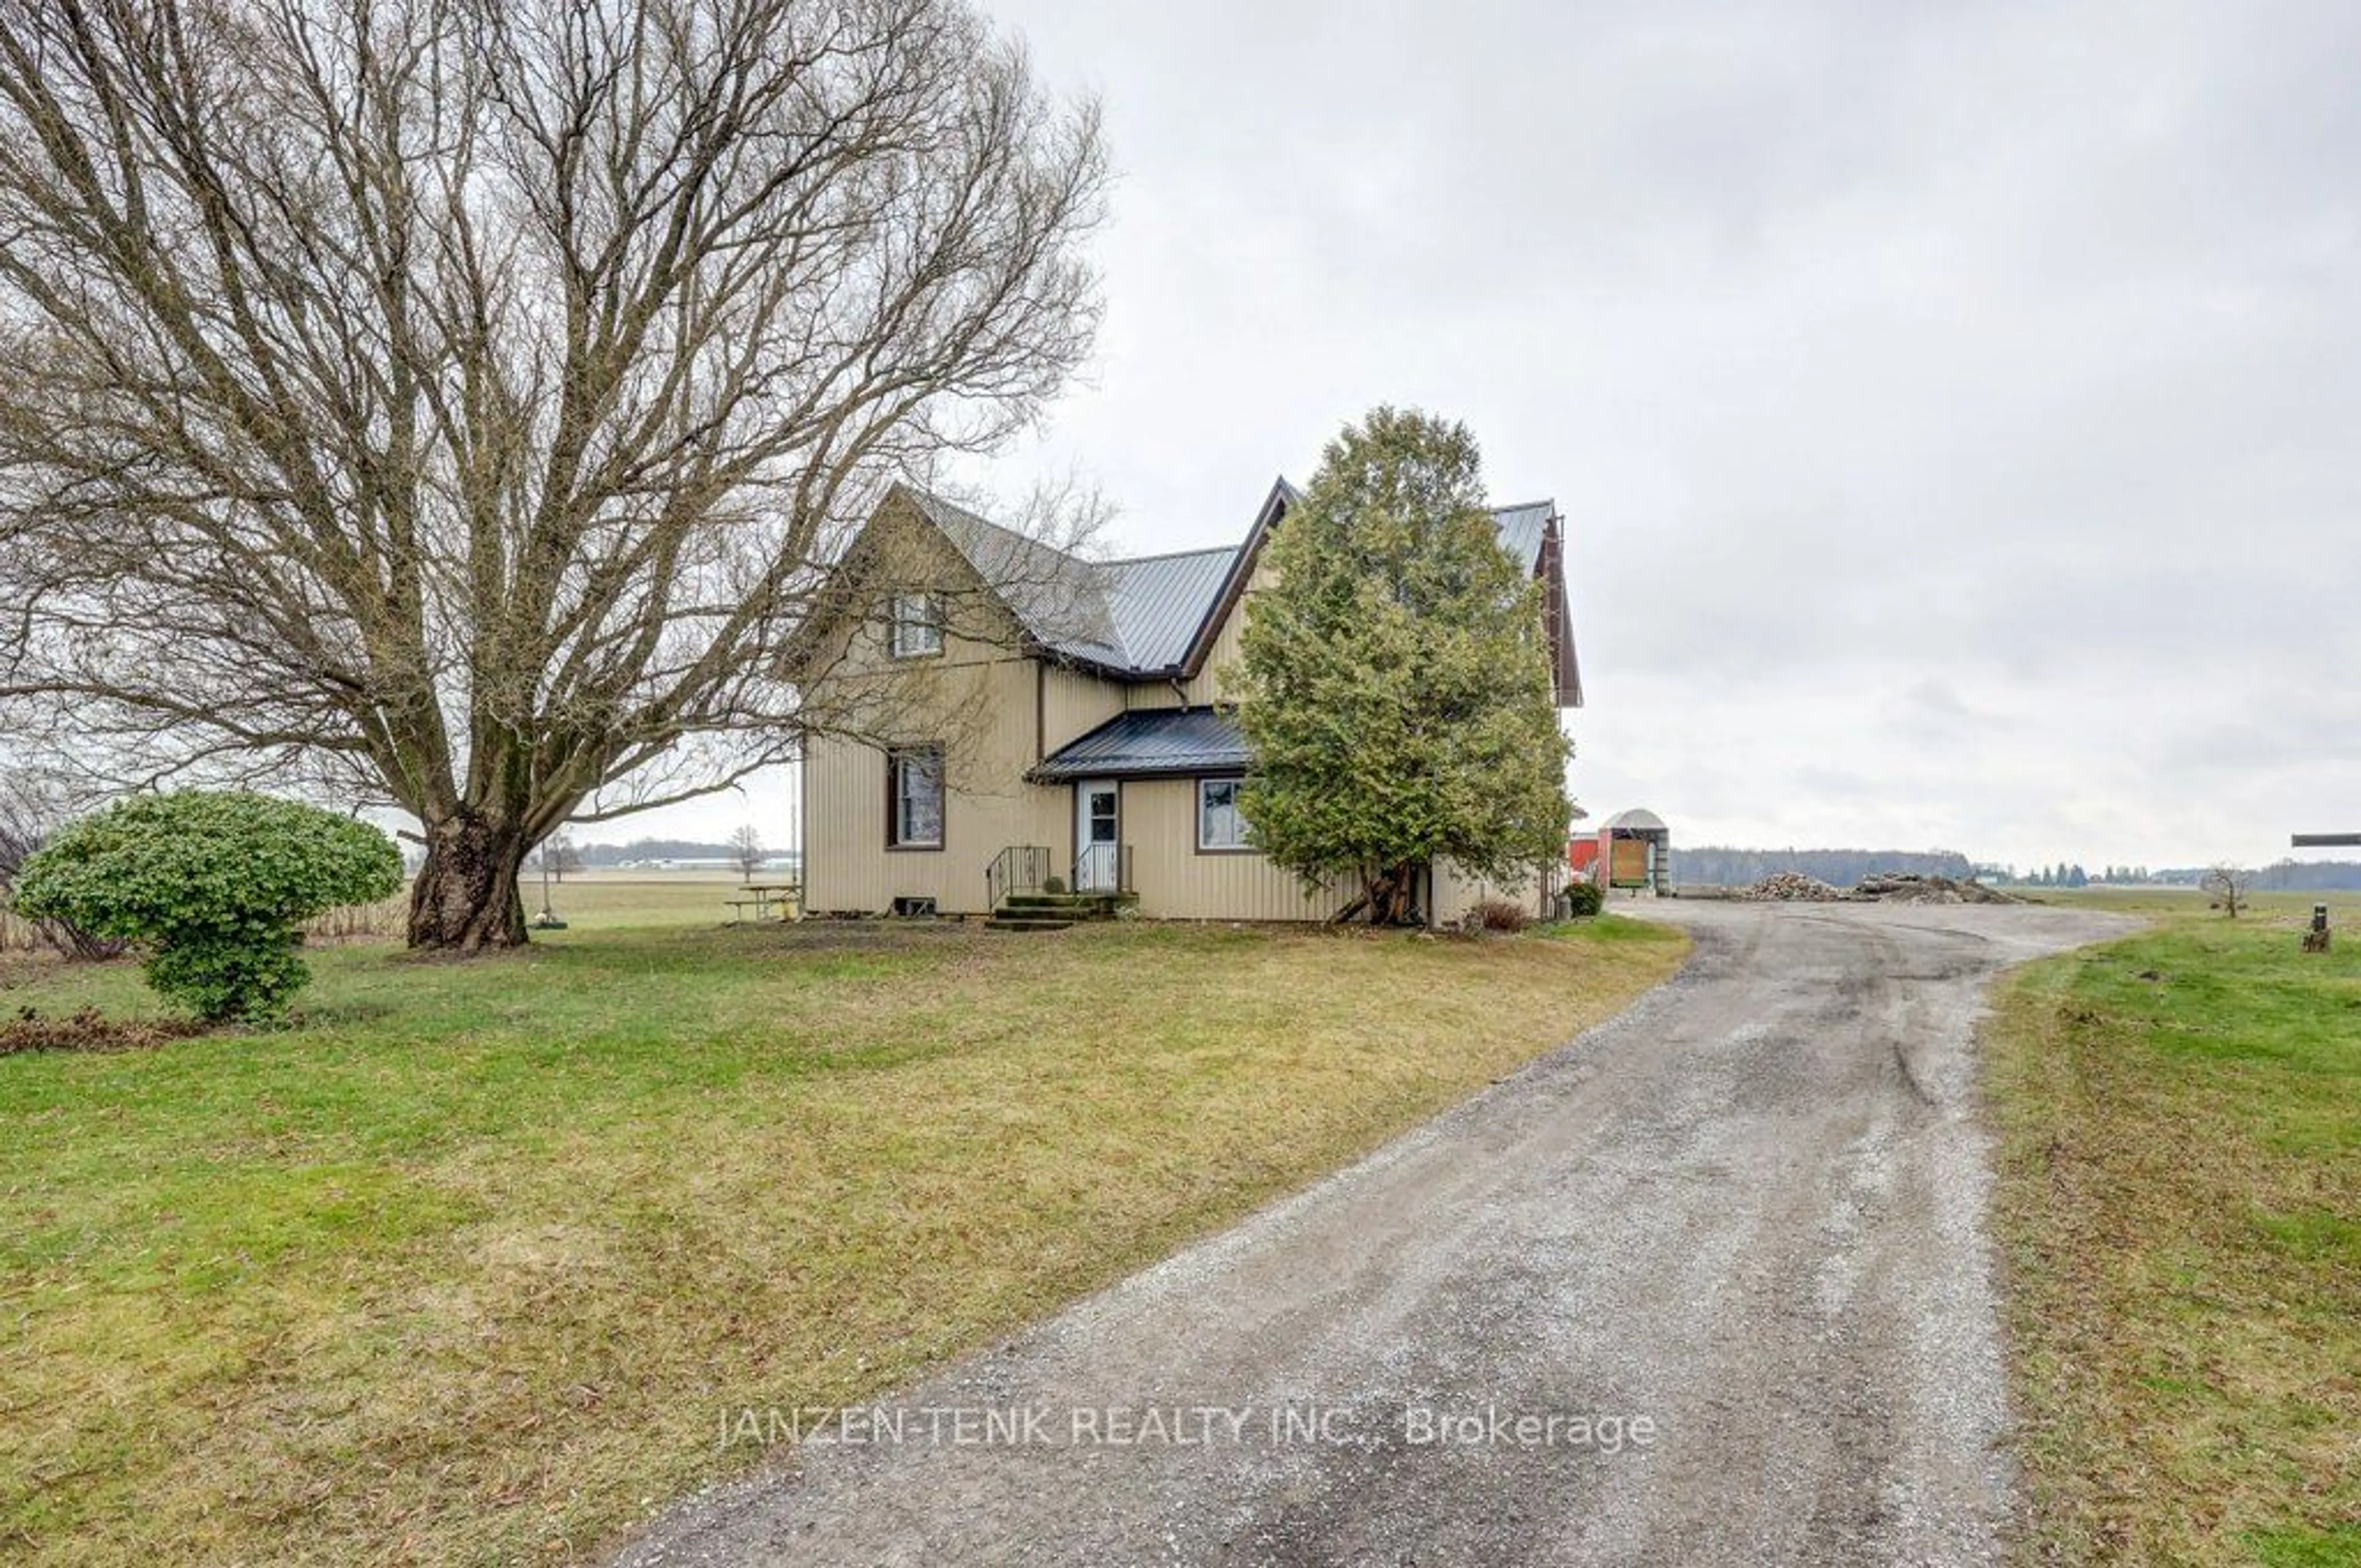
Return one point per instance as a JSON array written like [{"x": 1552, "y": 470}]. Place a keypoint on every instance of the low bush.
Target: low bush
[
  {"x": 28, "y": 816},
  {"x": 1500, "y": 914},
  {"x": 1583, "y": 899},
  {"x": 214, "y": 886}
]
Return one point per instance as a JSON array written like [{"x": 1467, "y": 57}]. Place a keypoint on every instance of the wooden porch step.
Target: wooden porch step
[{"x": 1016, "y": 920}]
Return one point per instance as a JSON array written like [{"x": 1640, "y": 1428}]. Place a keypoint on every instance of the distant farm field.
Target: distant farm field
[
  {"x": 2180, "y": 1211},
  {"x": 471, "y": 1263},
  {"x": 2188, "y": 903}
]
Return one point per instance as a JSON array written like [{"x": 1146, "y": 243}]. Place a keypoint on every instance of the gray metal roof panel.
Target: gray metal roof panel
[
  {"x": 1059, "y": 598},
  {"x": 1520, "y": 532},
  {"x": 1158, "y": 601},
  {"x": 1150, "y": 740},
  {"x": 1136, "y": 616}
]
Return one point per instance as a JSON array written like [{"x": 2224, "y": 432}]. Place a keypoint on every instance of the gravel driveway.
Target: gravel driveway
[{"x": 1709, "y": 1285}]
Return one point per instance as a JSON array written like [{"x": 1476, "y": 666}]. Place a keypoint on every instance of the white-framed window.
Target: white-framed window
[
  {"x": 914, "y": 785},
  {"x": 1220, "y": 826},
  {"x": 918, "y": 625}
]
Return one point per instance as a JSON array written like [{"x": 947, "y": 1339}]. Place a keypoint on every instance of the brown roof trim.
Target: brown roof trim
[
  {"x": 1557, "y": 614},
  {"x": 1242, "y": 570}
]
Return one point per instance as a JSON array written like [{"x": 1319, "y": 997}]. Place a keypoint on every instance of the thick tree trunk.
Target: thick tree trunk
[
  {"x": 466, "y": 898},
  {"x": 1391, "y": 894}
]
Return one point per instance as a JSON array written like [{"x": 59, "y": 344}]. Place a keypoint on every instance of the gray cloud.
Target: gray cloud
[{"x": 1952, "y": 404}]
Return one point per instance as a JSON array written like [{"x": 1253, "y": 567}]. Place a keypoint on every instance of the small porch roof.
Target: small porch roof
[{"x": 1150, "y": 742}]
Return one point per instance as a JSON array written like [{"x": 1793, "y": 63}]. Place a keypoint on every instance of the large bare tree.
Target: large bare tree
[{"x": 456, "y": 404}]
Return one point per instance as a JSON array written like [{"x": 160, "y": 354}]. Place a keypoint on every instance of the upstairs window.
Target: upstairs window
[
  {"x": 913, "y": 782},
  {"x": 1219, "y": 825},
  {"x": 918, "y": 625}
]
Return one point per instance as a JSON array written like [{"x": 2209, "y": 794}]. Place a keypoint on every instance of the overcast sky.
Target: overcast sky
[{"x": 1956, "y": 409}]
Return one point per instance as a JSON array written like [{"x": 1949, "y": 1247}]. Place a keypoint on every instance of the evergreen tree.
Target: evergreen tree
[{"x": 1394, "y": 683}]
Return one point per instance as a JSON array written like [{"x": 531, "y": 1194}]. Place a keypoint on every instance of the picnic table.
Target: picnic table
[{"x": 760, "y": 896}]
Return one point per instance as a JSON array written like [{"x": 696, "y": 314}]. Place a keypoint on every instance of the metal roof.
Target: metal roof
[
  {"x": 1057, "y": 597},
  {"x": 1149, "y": 741},
  {"x": 1158, "y": 601},
  {"x": 1639, "y": 820},
  {"x": 1520, "y": 533},
  {"x": 1138, "y": 617}
]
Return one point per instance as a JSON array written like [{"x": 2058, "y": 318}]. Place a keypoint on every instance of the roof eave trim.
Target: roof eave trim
[
  {"x": 1234, "y": 586},
  {"x": 1200, "y": 768},
  {"x": 1566, "y": 667},
  {"x": 1129, "y": 674}
]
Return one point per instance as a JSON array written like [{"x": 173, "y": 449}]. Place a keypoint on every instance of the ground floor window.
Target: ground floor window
[
  {"x": 914, "y": 779},
  {"x": 1219, "y": 824}
]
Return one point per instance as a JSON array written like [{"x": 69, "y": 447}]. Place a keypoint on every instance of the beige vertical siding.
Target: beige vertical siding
[
  {"x": 982, "y": 702},
  {"x": 1455, "y": 893},
  {"x": 1206, "y": 688},
  {"x": 988, "y": 738},
  {"x": 1175, "y": 882},
  {"x": 1073, "y": 704}
]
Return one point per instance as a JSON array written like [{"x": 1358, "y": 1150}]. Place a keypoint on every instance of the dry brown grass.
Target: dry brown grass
[{"x": 472, "y": 1266}]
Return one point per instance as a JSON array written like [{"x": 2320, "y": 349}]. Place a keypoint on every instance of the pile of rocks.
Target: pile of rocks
[
  {"x": 1911, "y": 889},
  {"x": 1791, "y": 887}
]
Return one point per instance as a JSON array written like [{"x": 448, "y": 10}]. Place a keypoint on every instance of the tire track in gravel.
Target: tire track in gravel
[{"x": 1750, "y": 1211}]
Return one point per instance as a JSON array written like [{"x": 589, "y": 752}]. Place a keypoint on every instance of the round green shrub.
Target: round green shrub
[
  {"x": 214, "y": 885},
  {"x": 1584, "y": 899}
]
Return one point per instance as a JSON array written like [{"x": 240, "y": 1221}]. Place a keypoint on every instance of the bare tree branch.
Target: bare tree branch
[{"x": 463, "y": 403}]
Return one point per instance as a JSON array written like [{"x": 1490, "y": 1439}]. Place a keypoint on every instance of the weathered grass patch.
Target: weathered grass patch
[
  {"x": 470, "y": 1263},
  {"x": 2181, "y": 1185}
]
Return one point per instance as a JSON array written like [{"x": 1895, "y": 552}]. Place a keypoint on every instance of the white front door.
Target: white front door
[{"x": 1098, "y": 837}]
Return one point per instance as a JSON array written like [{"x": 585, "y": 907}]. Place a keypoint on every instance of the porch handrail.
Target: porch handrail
[
  {"x": 1019, "y": 868},
  {"x": 1097, "y": 858}
]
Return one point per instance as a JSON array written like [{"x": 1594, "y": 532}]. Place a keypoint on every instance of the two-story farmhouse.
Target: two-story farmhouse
[{"x": 1047, "y": 716}]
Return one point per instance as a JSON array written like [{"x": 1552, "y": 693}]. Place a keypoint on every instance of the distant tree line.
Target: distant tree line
[
  {"x": 731, "y": 850},
  {"x": 2305, "y": 876},
  {"x": 654, "y": 850},
  {"x": 1720, "y": 866},
  {"x": 2063, "y": 874},
  {"x": 2281, "y": 876},
  {"x": 561, "y": 856}
]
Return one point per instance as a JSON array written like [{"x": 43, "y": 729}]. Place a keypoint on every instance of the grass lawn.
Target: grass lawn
[
  {"x": 470, "y": 1264},
  {"x": 2181, "y": 1210}
]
